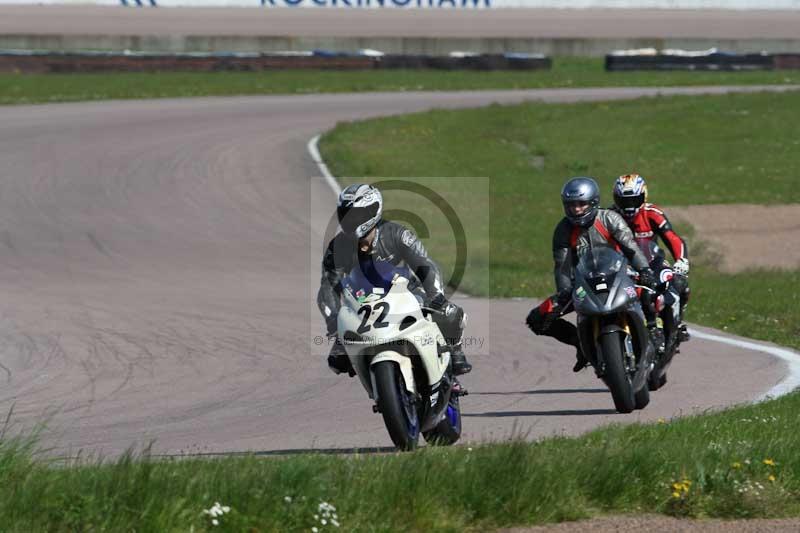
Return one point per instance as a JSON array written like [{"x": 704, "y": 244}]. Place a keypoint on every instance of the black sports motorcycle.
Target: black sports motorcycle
[{"x": 611, "y": 327}]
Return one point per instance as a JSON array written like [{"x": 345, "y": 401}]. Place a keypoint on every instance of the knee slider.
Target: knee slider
[{"x": 536, "y": 321}]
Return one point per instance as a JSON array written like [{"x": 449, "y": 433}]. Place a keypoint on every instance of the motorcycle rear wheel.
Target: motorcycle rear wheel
[
  {"x": 654, "y": 383},
  {"x": 642, "y": 397},
  {"x": 448, "y": 431}
]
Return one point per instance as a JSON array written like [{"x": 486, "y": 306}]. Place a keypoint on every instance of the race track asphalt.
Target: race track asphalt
[{"x": 157, "y": 271}]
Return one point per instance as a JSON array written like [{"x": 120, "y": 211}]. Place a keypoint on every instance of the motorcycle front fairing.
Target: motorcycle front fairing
[
  {"x": 604, "y": 293},
  {"x": 385, "y": 321}
]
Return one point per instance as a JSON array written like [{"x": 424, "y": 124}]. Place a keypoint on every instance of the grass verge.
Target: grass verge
[
  {"x": 695, "y": 150},
  {"x": 566, "y": 72},
  {"x": 733, "y": 464}
]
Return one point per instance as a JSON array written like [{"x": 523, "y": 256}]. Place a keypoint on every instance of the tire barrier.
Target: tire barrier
[
  {"x": 21, "y": 61},
  {"x": 649, "y": 59},
  {"x": 467, "y": 62}
]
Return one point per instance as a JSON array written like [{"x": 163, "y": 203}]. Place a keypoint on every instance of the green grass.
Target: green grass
[
  {"x": 566, "y": 72},
  {"x": 694, "y": 150},
  {"x": 619, "y": 469}
]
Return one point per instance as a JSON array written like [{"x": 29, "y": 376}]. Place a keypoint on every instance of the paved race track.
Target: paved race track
[{"x": 155, "y": 282}]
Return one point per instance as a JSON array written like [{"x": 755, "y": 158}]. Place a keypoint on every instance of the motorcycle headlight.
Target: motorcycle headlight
[{"x": 602, "y": 283}]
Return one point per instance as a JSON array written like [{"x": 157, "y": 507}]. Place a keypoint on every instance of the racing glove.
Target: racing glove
[
  {"x": 681, "y": 267},
  {"x": 647, "y": 278},
  {"x": 438, "y": 302},
  {"x": 563, "y": 297}
]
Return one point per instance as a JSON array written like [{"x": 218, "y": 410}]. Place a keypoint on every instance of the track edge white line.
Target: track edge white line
[
  {"x": 789, "y": 383},
  {"x": 313, "y": 150}
]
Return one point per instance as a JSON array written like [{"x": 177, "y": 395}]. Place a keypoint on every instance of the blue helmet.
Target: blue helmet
[{"x": 581, "y": 189}]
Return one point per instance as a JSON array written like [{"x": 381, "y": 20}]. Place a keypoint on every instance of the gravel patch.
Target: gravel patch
[{"x": 746, "y": 236}]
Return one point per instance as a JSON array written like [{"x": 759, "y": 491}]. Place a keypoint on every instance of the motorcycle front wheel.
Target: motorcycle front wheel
[
  {"x": 615, "y": 375},
  {"x": 396, "y": 405}
]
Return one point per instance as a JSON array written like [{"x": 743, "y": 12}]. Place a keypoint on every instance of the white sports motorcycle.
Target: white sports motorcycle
[{"x": 400, "y": 356}]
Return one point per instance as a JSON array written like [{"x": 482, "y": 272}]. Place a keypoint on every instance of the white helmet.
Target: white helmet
[
  {"x": 630, "y": 194},
  {"x": 359, "y": 209}
]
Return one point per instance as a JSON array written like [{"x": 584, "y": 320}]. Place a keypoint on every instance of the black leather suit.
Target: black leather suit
[
  {"x": 398, "y": 245},
  {"x": 569, "y": 245}
]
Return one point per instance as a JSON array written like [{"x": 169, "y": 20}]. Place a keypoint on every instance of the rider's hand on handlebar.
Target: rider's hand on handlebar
[
  {"x": 647, "y": 278},
  {"x": 563, "y": 297},
  {"x": 438, "y": 302},
  {"x": 681, "y": 267}
]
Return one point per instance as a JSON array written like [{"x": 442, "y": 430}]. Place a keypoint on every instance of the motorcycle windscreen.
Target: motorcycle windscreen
[
  {"x": 600, "y": 288},
  {"x": 370, "y": 280},
  {"x": 600, "y": 262},
  {"x": 651, "y": 250}
]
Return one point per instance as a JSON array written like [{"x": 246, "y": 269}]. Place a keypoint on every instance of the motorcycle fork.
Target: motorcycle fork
[{"x": 628, "y": 351}]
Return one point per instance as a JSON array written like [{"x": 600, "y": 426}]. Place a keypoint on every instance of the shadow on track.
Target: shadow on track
[
  {"x": 539, "y": 391},
  {"x": 289, "y": 451},
  {"x": 562, "y": 412}
]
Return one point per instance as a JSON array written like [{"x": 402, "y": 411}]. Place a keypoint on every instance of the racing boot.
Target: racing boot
[
  {"x": 338, "y": 361},
  {"x": 580, "y": 361},
  {"x": 459, "y": 360},
  {"x": 656, "y": 337},
  {"x": 683, "y": 333}
]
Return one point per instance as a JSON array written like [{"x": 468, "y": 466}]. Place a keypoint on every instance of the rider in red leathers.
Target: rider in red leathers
[{"x": 648, "y": 221}]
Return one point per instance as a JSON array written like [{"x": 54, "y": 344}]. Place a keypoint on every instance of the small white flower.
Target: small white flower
[
  {"x": 314, "y": 530},
  {"x": 226, "y": 509},
  {"x": 215, "y": 522},
  {"x": 287, "y": 499},
  {"x": 335, "y": 523},
  {"x": 324, "y": 521},
  {"x": 325, "y": 506},
  {"x": 316, "y": 517}
]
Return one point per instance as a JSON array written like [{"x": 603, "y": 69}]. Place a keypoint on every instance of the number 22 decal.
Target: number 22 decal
[{"x": 379, "y": 322}]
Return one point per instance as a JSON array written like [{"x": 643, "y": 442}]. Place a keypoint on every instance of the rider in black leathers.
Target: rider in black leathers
[
  {"x": 366, "y": 238},
  {"x": 584, "y": 225}
]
